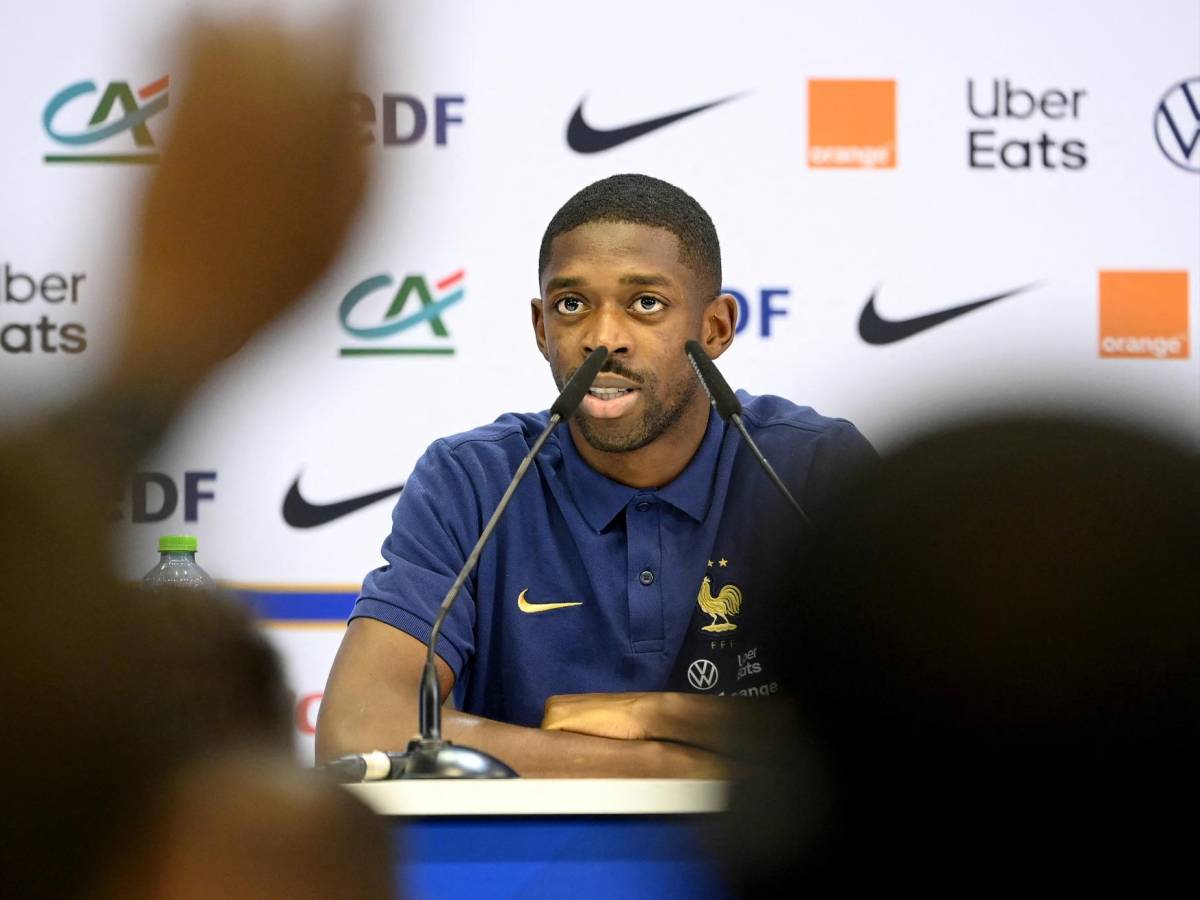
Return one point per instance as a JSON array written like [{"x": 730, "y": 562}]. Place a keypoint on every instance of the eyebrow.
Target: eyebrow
[
  {"x": 650, "y": 280},
  {"x": 560, "y": 282}
]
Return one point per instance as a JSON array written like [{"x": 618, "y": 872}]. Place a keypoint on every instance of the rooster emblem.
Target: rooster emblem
[{"x": 727, "y": 602}]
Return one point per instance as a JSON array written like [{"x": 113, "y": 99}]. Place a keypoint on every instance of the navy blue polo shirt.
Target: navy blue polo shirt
[{"x": 592, "y": 585}]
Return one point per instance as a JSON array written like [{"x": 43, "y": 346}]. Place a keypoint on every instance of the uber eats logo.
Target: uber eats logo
[
  {"x": 1018, "y": 128},
  {"x": 33, "y": 313},
  {"x": 85, "y": 120},
  {"x": 409, "y": 319}
]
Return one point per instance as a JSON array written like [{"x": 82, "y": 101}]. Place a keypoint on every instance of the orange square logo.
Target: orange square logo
[
  {"x": 851, "y": 124},
  {"x": 1144, "y": 315}
]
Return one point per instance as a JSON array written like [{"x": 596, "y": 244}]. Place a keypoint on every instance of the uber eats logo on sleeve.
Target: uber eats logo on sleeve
[
  {"x": 386, "y": 316},
  {"x": 34, "y": 309},
  {"x": 75, "y": 118}
]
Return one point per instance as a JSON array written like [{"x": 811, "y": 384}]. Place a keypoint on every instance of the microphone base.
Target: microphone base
[{"x": 441, "y": 759}]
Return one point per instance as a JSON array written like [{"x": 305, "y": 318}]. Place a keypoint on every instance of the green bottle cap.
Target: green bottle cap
[{"x": 177, "y": 543}]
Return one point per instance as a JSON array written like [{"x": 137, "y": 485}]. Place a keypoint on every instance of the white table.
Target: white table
[{"x": 535, "y": 837}]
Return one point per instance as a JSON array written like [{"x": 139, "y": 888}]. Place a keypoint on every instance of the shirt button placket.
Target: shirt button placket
[{"x": 645, "y": 561}]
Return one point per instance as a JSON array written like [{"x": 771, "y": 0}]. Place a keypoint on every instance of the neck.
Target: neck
[{"x": 660, "y": 461}]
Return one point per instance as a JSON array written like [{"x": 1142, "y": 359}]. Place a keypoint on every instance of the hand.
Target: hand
[
  {"x": 634, "y": 716},
  {"x": 695, "y": 719},
  {"x": 623, "y": 716},
  {"x": 259, "y": 179}
]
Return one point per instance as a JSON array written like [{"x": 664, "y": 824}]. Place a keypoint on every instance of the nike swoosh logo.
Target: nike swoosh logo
[
  {"x": 299, "y": 513},
  {"x": 583, "y": 138},
  {"x": 526, "y": 607},
  {"x": 874, "y": 329}
]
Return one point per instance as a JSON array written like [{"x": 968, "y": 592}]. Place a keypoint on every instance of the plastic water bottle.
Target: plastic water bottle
[{"x": 177, "y": 566}]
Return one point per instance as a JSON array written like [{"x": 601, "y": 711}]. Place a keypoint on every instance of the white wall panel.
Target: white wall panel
[{"x": 930, "y": 233}]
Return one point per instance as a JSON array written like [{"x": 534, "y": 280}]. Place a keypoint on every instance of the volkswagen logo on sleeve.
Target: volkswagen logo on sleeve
[{"x": 702, "y": 674}]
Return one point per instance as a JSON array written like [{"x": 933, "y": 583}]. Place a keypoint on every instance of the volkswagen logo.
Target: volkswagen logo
[
  {"x": 702, "y": 675},
  {"x": 1177, "y": 124}
]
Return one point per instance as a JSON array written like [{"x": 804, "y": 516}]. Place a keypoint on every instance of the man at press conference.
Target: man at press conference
[{"x": 629, "y": 588}]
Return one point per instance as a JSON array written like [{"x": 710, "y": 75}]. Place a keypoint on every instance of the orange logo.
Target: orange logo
[
  {"x": 851, "y": 124},
  {"x": 1144, "y": 315}
]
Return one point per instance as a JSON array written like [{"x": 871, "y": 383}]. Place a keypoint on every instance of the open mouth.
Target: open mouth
[
  {"x": 608, "y": 393},
  {"x": 609, "y": 402}
]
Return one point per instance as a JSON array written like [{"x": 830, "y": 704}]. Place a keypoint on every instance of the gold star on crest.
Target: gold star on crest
[{"x": 722, "y": 563}]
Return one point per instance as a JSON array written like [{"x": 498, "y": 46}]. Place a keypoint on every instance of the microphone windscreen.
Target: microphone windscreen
[
  {"x": 345, "y": 769},
  {"x": 723, "y": 398},
  {"x": 572, "y": 395}
]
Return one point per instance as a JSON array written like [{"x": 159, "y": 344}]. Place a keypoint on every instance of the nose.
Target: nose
[{"x": 608, "y": 327}]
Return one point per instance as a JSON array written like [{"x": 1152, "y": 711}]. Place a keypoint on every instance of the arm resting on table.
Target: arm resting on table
[
  {"x": 698, "y": 720},
  {"x": 370, "y": 703}
]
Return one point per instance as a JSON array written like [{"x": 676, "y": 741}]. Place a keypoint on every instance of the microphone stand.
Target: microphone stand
[{"x": 429, "y": 755}]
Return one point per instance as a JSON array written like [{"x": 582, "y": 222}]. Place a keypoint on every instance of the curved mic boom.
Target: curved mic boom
[
  {"x": 729, "y": 408},
  {"x": 430, "y": 756}
]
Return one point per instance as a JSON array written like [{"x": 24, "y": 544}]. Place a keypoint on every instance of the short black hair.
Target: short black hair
[{"x": 642, "y": 200}]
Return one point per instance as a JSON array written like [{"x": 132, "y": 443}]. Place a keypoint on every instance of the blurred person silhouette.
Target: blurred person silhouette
[
  {"x": 126, "y": 715},
  {"x": 148, "y": 753},
  {"x": 999, "y": 667},
  {"x": 242, "y": 826}
]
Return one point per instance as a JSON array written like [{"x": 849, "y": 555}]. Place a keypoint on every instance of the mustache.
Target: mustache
[{"x": 612, "y": 366}]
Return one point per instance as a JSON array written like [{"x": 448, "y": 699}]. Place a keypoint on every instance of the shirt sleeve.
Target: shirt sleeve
[
  {"x": 434, "y": 525},
  {"x": 841, "y": 456}
]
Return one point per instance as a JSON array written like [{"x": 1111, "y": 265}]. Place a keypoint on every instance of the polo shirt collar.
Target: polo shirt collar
[{"x": 599, "y": 499}]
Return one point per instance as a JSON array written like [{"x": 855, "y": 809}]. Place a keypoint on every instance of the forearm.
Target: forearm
[
  {"x": 371, "y": 703},
  {"x": 531, "y": 752},
  {"x": 536, "y": 753},
  {"x": 695, "y": 719}
]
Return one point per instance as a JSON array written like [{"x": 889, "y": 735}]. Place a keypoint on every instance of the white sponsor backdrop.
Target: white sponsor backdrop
[{"x": 929, "y": 233}]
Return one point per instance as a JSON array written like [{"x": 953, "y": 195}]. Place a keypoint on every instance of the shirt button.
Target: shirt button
[
  {"x": 647, "y": 577},
  {"x": 643, "y": 506}
]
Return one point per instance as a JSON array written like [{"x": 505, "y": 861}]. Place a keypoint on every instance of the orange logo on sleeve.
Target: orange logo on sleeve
[
  {"x": 1144, "y": 315},
  {"x": 851, "y": 124}
]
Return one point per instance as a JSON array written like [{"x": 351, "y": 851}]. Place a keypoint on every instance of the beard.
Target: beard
[{"x": 660, "y": 412}]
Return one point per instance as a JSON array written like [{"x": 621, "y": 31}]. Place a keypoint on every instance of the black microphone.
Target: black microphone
[
  {"x": 428, "y": 755},
  {"x": 729, "y": 408},
  {"x": 572, "y": 395},
  {"x": 374, "y": 766}
]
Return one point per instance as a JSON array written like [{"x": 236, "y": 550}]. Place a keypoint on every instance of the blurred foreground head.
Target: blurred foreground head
[
  {"x": 997, "y": 650},
  {"x": 244, "y": 826},
  {"x": 121, "y": 709},
  {"x": 108, "y": 695}
]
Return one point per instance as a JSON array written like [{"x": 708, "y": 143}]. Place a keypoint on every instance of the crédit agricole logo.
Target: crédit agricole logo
[
  {"x": 376, "y": 322},
  {"x": 118, "y": 110}
]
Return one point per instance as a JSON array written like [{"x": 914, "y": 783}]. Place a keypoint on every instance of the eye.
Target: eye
[
  {"x": 569, "y": 306},
  {"x": 647, "y": 304}
]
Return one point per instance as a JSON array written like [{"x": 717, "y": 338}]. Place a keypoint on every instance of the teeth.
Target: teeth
[{"x": 608, "y": 393}]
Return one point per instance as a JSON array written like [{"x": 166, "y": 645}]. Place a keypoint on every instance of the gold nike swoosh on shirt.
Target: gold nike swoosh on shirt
[{"x": 526, "y": 607}]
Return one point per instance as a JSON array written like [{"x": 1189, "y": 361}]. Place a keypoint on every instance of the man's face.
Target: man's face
[{"x": 622, "y": 286}]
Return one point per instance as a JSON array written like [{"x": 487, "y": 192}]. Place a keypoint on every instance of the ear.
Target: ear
[
  {"x": 720, "y": 320},
  {"x": 539, "y": 326}
]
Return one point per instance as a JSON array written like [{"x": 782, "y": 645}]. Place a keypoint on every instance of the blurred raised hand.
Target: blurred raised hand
[{"x": 260, "y": 178}]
